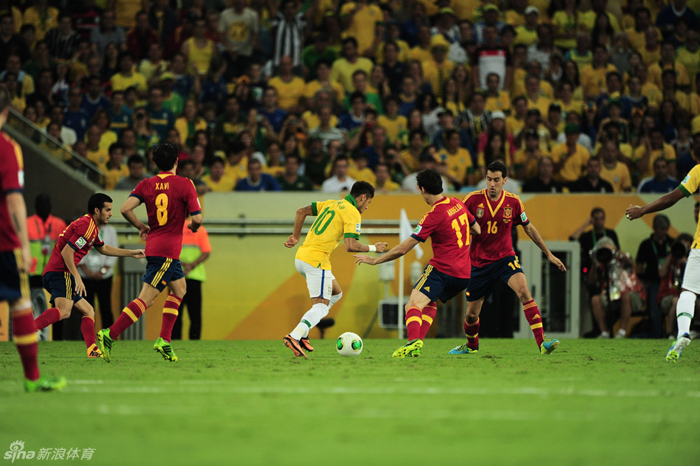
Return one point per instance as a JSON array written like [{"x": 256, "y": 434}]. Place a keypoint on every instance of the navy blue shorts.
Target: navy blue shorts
[
  {"x": 437, "y": 285},
  {"x": 482, "y": 277},
  {"x": 162, "y": 270},
  {"x": 13, "y": 284},
  {"x": 60, "y": 285}
]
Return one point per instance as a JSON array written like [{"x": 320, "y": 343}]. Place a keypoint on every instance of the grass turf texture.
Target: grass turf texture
[{"x": 254, "y": 403}]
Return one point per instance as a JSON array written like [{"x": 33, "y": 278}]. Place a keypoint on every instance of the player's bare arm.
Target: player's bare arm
[
  {"x": 537, "y": 239},
  {"x": 394, "y": 253},
  {"x": 299, "y": 218},
  {"x": 127, "y": 212},
  {"x": 18, "y": 213},
  {"x": 475, "y": 229},
  {"x": 108, "y": 250},
  {"x": 662, "y": 203},
  {"x": 68, "y": 255},
  {"x": 352, "y": 245}
]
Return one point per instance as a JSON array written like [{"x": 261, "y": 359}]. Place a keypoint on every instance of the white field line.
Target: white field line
[{"x": 217, "y": 386}]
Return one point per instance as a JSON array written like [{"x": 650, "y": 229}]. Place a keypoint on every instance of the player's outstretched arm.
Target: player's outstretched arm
[
  {"x": 662, "y": 203},
  {"x": 352, "y": 245},
  {"x": 108, "y": 250},
  {"x": 535, "y": 236},
  {"x": 127, "y": 212},
  {"x": 394, "y": 253},
  {"x": 299, "y": 218}
]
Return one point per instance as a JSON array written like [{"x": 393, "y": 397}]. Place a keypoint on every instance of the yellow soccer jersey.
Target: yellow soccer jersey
[
  {"x": 689, "y": 185},
  {"x": 666, "y": 152},
  {"x": 335, "y": 221},
  {"x": 574, "y": 165},
  {"x": 458, "y": 164},
  {"x": 618, "y": 176},
  {"x": 289, "y": 92}
]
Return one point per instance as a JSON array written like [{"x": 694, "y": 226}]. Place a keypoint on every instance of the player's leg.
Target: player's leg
[
  {"x": 414, "y": 321},
  {"x": 478, "y": 286},
  {"x": 427, "y": 318},
  {"x": 319, "y": 282},
  {"x": 518, "y": 283},
  {"x": 14, "y": 288},
  {"x": 60, "y": 286},
  {"x": 685, "y": 309},
  {"x": 87, "y": 327},
  {"x": 336, "y": 294},
  {"x": 178, "y": 289}
]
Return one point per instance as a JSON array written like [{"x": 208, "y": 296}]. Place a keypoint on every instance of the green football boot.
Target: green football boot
[
  {"x": 410, "y": 349},
  {"x": 165, "y": 350},
  {"x": 45, "y": 384},
  {"x": 105, "y": 343}
]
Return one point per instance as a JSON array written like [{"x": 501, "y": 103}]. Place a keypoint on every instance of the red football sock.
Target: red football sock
[
  {"x": 129, "y": 315},
  {"x": 25, "y": 337},
  {"x": 87, "y": 327},
  {"x": 429, "y": 312},
  {"x": 472, "y": 332},
  {"x": 172, "y": 304},
  {"x": 532, "y": 314},
  {"x": 414, "y": 320},
  {"x": 48, "y": 317}
]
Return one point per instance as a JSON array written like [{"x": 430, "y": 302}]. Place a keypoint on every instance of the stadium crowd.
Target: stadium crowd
[{"x": 572, "y": 95}]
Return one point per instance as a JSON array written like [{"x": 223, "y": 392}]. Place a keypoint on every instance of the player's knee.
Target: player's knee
[
  {"x": 524, "y": 295},
  {"x": 472, "y": 318}
]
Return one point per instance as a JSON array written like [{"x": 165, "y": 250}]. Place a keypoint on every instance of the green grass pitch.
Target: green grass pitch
[{"x": 592, "y": 402}]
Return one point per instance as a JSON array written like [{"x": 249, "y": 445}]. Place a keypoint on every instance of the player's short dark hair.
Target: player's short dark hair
[
  {"x": 360, "y": 188},
  {"x": 165, "y": 156},
  {"x": 498, "y": 167},
  {"x": 97, "y": 201},
  {"x": 430, "y": 180},
  {"x": 5, "y": 98},
  {"x": 137, "y": 159}
]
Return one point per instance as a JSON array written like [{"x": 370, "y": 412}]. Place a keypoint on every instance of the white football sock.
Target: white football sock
[
  {"x": 334, "y": 299},
  {"x": 685, "y": 309},
  {"x": 312, "y": 317}
]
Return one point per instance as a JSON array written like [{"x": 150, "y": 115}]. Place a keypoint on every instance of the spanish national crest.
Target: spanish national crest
[
  {"x": 479, "y": 212},
  {"x": 507, "y": 214}
]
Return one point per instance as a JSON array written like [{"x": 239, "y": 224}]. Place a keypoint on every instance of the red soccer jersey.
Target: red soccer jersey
[
  {"x": 168, "y": 198},
  {"x": 11, "y": 181},
  {"x": 447, "y": 223},
  {"x": 496, "y": 219},
  {"x": 81, "y": 235}
]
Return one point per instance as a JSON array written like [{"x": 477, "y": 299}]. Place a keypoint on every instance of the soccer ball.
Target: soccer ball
[{"x": 349, "y": 344}]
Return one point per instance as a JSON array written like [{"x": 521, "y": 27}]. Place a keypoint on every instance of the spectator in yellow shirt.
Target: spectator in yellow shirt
[
  {"x": 127, "y": 77},
  {"x": 534, "y": 98},
  {"x": 689, "y": 56},
  {"x": 570, "y": 158},
  {"x": 496, "y": 100},
  {"x": 290, "y": 88},
  {"x": 613, "y": 171},
  {"x": 651, "y": 52},
  {"x": 668, "y": 62},
  {"x": 593, "y": 75},
  {"x": 395, "y": 125},
  {"x": 359, "y": 171},
  {"x": 421, "y": 52},
  {"x": 42, "y": 16},
  {"x": 527, "y": 33},
  {"x": 343, "y": 68},
  {"x": 383, "y": 182},
  {"x": 215, "y": 180},
  {"x": 455, "y": 162},
  {"x": 651, "y": 149},
  {"x": 360, "y": 20},
  {"x": 439, "y": 68}
]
